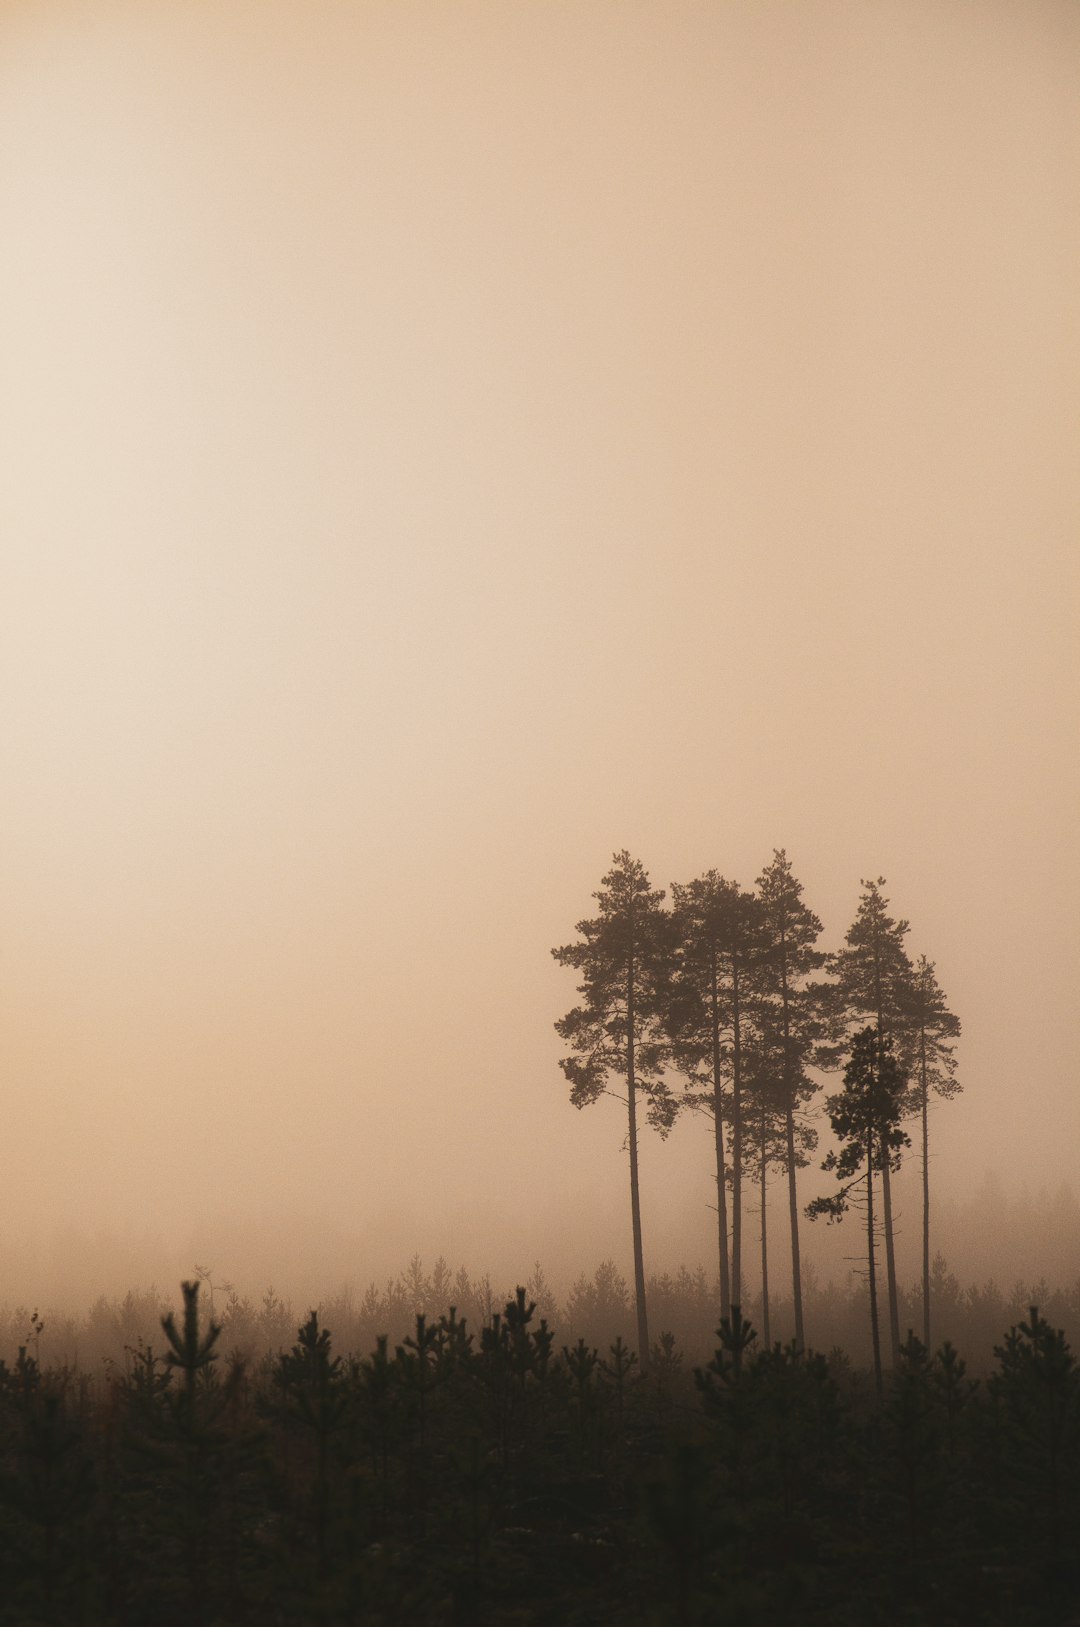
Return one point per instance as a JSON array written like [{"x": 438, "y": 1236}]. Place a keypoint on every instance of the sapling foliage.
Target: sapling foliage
[{"x": 312, "y": 1398}]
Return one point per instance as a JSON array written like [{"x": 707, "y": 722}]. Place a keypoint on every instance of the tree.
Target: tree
[
  {"x": 717, "y": 932},
  {"x": 189, "y": 1350},
  {"x": 765, "y": 1145},
  {"x": 618, "y": 1032},
  {"x": 312, "y": 1398},
  {"x": 874, "y": 980},
  {"x": 929, "y": 1053},
  {"x": 865, "y": 1117},
  {"x": 195, "y": 1426},
  {"x": 789, "y": 932},
  {"x": 1035, "y": 1393}
]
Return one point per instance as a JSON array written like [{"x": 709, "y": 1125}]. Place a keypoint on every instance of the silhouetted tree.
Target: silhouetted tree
[
  {"x": 189, "y": 1350},
  {"x": 788, "y": 960},
  {"x": 765, "y": 1144},
  {"x": 726, "y": 1397},
  {"x": 874, "y": 981},
  {"x": 717, "y": 930},
  {"x": 581, "y": 1364},
  {"x": 46, "y": 1476},
  {"x": 197, "y": 1424},
  {"x": 598, "y": 1307},
  {"x": 311, "y": 1398},
  {"x": 1036, "y": 1395},
  {"x": 618, "y": 1032},
  {"x": 929, "y": 1053},
  {"x": 377, "y": 1385},
  {"x": 865, "y": 1117}
]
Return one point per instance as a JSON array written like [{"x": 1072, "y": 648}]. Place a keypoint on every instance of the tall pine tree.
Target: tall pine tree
[
  {"x": 790, "y": 930},
  {"x": 619, "y": 1031},
  {"x": 865, "y": 1117},
  {"x": 928, "y": 1044},
  {"x": 765, "y": 1144},
  {"x": 717, "y": 932},
  {"x": 873, "y": 980}
]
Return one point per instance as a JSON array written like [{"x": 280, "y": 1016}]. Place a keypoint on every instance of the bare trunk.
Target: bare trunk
[
  {"x": 793, "y": 1213},
  {"x": 886, "y": 1203},
  {"x": 793, "y": 1198},
  {"x": 925, "y": 1197},
  {"x": 764, "y": 1238},
  {"x": 721, "y": 1213},
  {"x": 635, "y": 1193},
  {"x": 635, "y": 1214},
  {"x": 890, "y": 1264},
  {"x": 721, "y": 1170},
  {"x": 736, "y": 1141},
  {"x": 871, "y": 1262}
]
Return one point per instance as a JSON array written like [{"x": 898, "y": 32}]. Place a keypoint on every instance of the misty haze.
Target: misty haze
[{"x": 538, "y": 678}]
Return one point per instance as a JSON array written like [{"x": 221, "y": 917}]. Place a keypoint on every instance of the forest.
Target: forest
[
  {"x": 445, "y": 1450},
  {"x": 219, "y": 1469}
]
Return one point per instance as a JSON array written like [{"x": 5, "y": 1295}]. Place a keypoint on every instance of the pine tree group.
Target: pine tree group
[{"x": 728, "y": 993}]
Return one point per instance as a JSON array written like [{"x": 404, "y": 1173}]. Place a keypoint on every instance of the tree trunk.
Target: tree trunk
[
  {"x": 925, "y": 1197},
  {"x": 793, "y": 1212},
  {"x": 766, "y": 1335},
  {"x": 721, "y": 1211},
  {"x": 886, "y": 1199},
  {"x": 890, "y": 1264},
  {"x": 793, "y": 1198},
  {"x": 736, "y": 1141},
  {"x": 635, "y": 1193},
  {"x": 635, "y": 1215},
  {"x": 871, "y": 1263},
  {"x": 721, "y": 1171}
]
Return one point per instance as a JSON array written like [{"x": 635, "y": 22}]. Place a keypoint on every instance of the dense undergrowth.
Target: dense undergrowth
[{"x": 497, "y": 1472}]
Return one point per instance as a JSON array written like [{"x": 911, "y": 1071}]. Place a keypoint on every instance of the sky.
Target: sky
[{"x": 445, "y": 444}]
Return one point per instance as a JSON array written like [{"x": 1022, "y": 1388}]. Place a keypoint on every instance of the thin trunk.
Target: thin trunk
[
  {"x": 925, "y": 1196},
  {"x": 890, "y": 1265},
  {"x": 871, "y": 1262},
  {"x": 721, "y": 1209},
  {"x": 886, "y": 1197},
  {"x": 736, "y": 1146},
  {"x": 789, "y": 1114},
  {"x": 635, "y": 1214},
  {"x": 721, "y": 1171},
  {"x": 764, "y": 1235},
  {"x": 793, "y": 1213},
  {"x": 635, "y": 1194}
]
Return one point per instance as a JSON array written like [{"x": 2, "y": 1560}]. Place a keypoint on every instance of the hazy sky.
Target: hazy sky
[{"x": 443, "y": 444}]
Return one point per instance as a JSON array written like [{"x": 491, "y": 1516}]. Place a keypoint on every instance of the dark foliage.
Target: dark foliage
[{"x": 499, "y": 1475}]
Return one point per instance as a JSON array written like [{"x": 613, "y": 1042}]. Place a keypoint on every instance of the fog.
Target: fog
[{"x": 444, "y": 445}]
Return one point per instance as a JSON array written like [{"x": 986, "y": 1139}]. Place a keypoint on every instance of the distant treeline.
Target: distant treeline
[
  {"x": 502, "y": 1474},
  {"x": 598, "y": 1306}
]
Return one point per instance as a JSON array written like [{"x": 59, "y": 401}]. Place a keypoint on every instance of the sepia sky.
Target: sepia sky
[{"x": 443, "y": 444}]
